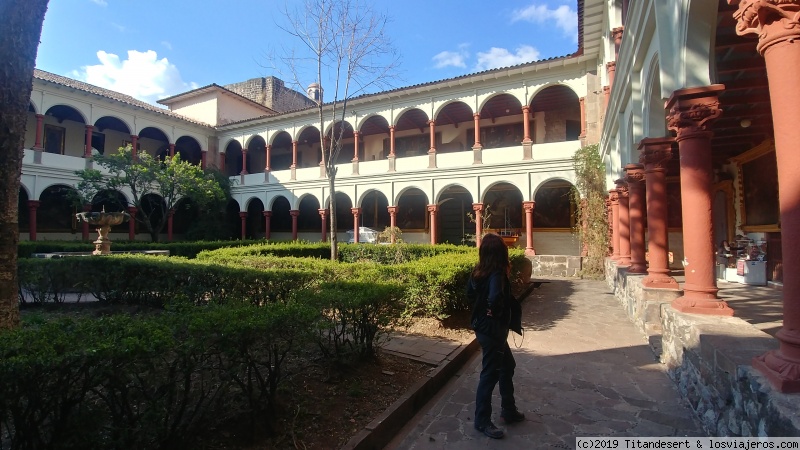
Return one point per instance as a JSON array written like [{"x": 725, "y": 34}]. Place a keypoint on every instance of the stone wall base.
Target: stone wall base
[
  {"x": 556, "y": 265},
  {"x": 709, "y": 358}
]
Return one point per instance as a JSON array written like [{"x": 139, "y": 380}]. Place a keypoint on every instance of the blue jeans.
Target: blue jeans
[{"x": 498, "y": 367}]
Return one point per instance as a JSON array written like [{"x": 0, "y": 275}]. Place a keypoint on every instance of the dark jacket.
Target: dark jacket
[{"x": 493, "y": 293}]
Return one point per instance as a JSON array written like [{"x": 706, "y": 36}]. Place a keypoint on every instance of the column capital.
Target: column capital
[
  {"x": 616, "y": 35},
  {"x": 355, "y": 211},
  {"x": 242, "y": 214},
  {"x": 477, "y": 206},
  {"x": 622, "y": 188},
  {"x": 33, "y": 204},
  {"x": 392, "y": 209},
  {"x": 606, "y": 90},
  {"x": 774, "y": 21},
  {"x": 634, "y": 174},
  {"x": 613, "y": 197},
  {"x": 431, "y": 122},
  {"x": 691, "y": 110},
  {"x": 267, "y": 213},
  {"x": 294, "y": 213},
  {"x": 526, "y": 108},
  {"x": 132, "y": 210},
  {"x": 611, "y": 66},
  {"x": 323, "y": 212},
  {"x": 528, "y": 206},
  {"x": 655, "y": 152},
  {"x": 432, "y": 208}
]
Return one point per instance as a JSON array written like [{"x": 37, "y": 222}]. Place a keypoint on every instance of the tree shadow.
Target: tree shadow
[{"x": 546, "y": 304}]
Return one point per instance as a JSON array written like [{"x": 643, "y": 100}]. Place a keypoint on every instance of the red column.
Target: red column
[
  {"x": 391, "y": 141},
  {"x": 87, "y": 152},
  {"x": 294, "y": 213},
  {"x": 171, "y": 150},
  {"x": 203, "y": 160},
  {"x": 582, "y": 102},
  {"x": 529, "y": 206},
  {"x": 613, "y": 195},
  {"x": 611, "y": 70},
  {"x": 356, "y": 212},
  {"x": 392, "y": 220},
  {"x": 610, "y": 222},
  {"x": 243, "y": 216},
  {"x": 616, "y": 35},
  {"x": 134, "y": 146},
  {"x": 432, "y": 124},
  {"x": 526, "y": 124},
  {"x": 477, "y": 118},
  {"x": 267, "y": 231},
  {"x": 778, "y": 38},
  {"x": 478, "y": 208},
  {"x": 39, "y": 131},
  {"x": 433, "y": 210},
  {"x": 32, "y": 206},
  {"x": 624, "y": 224},
  {"x": 244, "y": 162},
  {"x": 655, "y": 154},
  {"x": 606, "y": 95},
  {"x": 268, "y": 150},
  {"x": 132, "y": 223},
  {"x": 324, "y": 214},
  {"x": 634, "y": 176},
  {"x": 690, "y": 112},
  {"x": 294, "y": 154},
  {"x": 85, "y": 227},
  {"x": 222, "y": 162},
  {"x": 170, "y": 217},
  {"x": 355, "y": 150}
]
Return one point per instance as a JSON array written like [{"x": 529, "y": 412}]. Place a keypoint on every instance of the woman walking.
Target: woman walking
[{"x": 489, "y": 290}]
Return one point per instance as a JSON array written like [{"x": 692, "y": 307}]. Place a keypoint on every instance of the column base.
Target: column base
[
  {"x": 782, "y": 373},
  {"x": 660, "y": 281},
  {"x": 294, "y": 173},
  {"x": 266, "y": 176},
  {"x": 391, "y": 163},
  {"x": 623, "y": 261},
  {"x": 37, "y": 155},
  {"x": 638, "y": 268},
  {"x": 355, "y": 167},
  {"x": 527, "y": 150},
  {"x": 477, "y": 155},
  {"x": 705, "y": 306},
  {"x": 431, "y": 160}
]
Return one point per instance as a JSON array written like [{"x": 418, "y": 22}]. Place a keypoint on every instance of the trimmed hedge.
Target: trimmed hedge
[
  {"x": 143, "y": 382},
  {"x": 186, "y": 249}
]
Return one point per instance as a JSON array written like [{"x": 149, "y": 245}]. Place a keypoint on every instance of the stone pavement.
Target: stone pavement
[{"x": 582, "y": 370}]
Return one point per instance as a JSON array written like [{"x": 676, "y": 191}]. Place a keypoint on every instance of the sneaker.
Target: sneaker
[
  {"x": 512, "y": 415},
  {"x": 491, "y": 430}
]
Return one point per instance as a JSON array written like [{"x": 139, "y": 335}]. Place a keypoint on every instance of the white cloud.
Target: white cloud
[
  {"x": 142, "y": 75},
  {"x": 452, "y": 59},
  {"x": 564, "y": 17},
  {"x": 99, "y": 2},
  {"x": 500, "y": 57}
]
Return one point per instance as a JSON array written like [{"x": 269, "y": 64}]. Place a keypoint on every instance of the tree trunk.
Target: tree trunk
[
  {"x": 332, "y": 214},
  {"x": 19, "y": 41}
]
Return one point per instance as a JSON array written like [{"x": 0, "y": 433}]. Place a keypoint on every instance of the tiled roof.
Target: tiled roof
[{"x": 107, "y": 93}]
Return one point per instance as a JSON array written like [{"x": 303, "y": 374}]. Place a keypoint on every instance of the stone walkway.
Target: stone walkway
[{"x": 582, "y": 370}]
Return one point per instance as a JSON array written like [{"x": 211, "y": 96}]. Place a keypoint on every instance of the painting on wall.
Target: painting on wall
[{"x": 54, "y": 139}]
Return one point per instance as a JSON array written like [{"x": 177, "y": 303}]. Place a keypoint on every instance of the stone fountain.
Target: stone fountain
[{"x": 104, "y": 221}]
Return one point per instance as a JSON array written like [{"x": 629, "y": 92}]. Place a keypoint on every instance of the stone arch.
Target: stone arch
[
  {"x": 405, "y": 112},
  {"x": 555, "y": 205},
  {"x": 309, "y": 218},
  {"x": 308, "y": 147},
  {"x": 65, "y": 107},
  {"x": 344, "y": 215},
  {"x": 374, "y": 212},
  {"x": 281, "y": 220},
  {"x": 109, "y": 129},
  {"x": 254, "y": 223},
  {"x": 56, "y": 212},
  {"x": 32, "y": 108},
  {"x": 346, "y": 153},
  {"x": 502, "y": 204},
  {"x": 330, "y": 125},
  {"x": 154, "y": 141},
  {"x": 498, "y": 98},
  {"x": 185, "y": 215},
  {"x": 233, "y": 223},
  {"x": 23, "y": 214},
  {"x": 455, "y": 205},
  {"x": 281, "y": 151},
  {"x": 256, "y": 153},
  {"x": 655, "y": 118},
  {"x": 559, "y": 107},
  {"x": 439, "y": 108},
  {"x": 412, "y": 205},
  {"x": 233, "y": 158},
  {"x": 371, "y": 117},
  {"x": 189, "y": 149}
]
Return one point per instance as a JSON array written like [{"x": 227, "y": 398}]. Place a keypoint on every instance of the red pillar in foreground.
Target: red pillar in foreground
[
  {"x": 529, "y": 206},
  {"x": 432, "y": 210},
  {"x": 624, "y": 224},
  {"x": 655, "y": 154},
  {"x": 33, "y": 205},
  {"x": 634, "y": 176},
  {"x": 323, "y": 213},
  {"x": 267, "y": 231},
  {"x": 613, "y": 198},
  {"x": 243, "y": 216},
  {"x": 132, "y": 223},
  {"x": 477, "y": 119},
  {"x": 392, "y": 220},
  {"x": 690, "y": 112},
  {"x": 170, "y": 221},
  {"x": 478, "y": 208},
  {"x": 294, "y": 213},
  {"x": 778, "y": 43}
]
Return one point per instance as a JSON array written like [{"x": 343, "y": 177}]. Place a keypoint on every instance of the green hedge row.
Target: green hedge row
[
  {"x": 125, "y": 382},
  {"x": 186, "y": 249}
]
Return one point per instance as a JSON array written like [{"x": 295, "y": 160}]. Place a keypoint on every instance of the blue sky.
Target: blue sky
[{"x": 155, "y": 49}]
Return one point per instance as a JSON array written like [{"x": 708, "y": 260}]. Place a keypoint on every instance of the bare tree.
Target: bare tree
[
  {"x": 346, "y": 43},
  {"x": 19, "y": 41}
]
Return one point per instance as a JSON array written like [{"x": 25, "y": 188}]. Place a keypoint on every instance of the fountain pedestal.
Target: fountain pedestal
[{"x": 104, "y": 221}]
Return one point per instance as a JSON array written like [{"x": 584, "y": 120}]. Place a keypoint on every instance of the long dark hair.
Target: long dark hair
[{"x": 492, "y": 256}]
